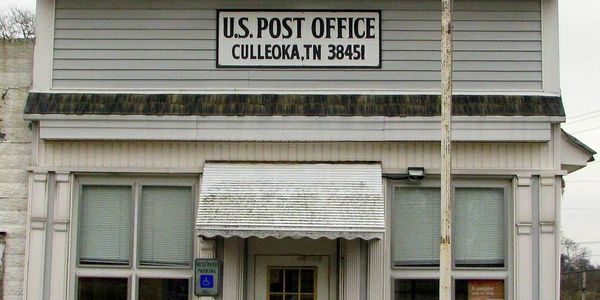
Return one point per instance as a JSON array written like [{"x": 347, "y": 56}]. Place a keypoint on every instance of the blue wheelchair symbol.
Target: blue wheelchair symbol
[{"x": 206, "y": 281}]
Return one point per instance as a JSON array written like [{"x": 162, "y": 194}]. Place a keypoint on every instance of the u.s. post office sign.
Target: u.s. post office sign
[{"x": 299, "y": 38}]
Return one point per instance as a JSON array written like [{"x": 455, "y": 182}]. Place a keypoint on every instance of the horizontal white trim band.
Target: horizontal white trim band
[
  {"x": 290, "y": 129},
  {"x": 198, "y": 171},
  {"x": 315, "y": 91}
]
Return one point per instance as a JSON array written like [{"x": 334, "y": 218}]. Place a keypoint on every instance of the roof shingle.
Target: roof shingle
[{"x": 288, "y": 105}]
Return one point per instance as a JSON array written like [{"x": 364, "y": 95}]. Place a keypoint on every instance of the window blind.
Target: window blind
[
  {"x": 105, "y": 225},
  {"x": 479, "y": 226},
  {"x": 416, "y": 226},
  {"x": 166, "y": 225}
]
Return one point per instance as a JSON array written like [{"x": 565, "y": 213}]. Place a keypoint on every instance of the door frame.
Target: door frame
[
  {"x": 264, "y": 262},
  {"x": 290, "y": 249}
]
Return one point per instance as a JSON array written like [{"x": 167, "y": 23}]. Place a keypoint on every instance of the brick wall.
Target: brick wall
[{"x": 16, "y": 59}]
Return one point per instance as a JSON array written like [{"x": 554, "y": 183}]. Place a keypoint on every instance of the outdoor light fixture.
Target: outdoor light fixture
[{"x": 416, "y": 173}]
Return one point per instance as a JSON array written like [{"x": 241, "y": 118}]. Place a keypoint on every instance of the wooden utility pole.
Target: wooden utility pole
[{"x": 446, "y": 287}]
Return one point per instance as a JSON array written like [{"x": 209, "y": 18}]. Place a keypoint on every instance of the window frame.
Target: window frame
[
  {"x": 134, "y": 271},
  {"x": 463, "y": 272}
]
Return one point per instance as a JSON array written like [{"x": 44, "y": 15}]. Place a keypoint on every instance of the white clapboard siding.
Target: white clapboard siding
[
  {"x": 182, "y": 64},
  {"x": 145, "y": 44},
  {"x": 392, "y": 155}
]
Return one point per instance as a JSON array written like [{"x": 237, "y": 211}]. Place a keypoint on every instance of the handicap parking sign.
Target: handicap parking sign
[
  {"x": 207, "y": 277},
  {"x": 207, "y": 281}
]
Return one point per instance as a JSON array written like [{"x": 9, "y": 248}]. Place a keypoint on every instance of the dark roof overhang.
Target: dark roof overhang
[{"x": 288, "y": 105}]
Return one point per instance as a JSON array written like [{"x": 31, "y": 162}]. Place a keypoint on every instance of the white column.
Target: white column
[
  {"x": 376, "y": 276},
  {"x": 351, "y": 267},
  {"x": 38, "y": 209},
  {"x": 206, "y": 249},
  {"x": 60, "y": 237},
  {"x": 233, "y": 269},
  {"x": 548, "y": 268},
  {"x": 524, "y": 246}
]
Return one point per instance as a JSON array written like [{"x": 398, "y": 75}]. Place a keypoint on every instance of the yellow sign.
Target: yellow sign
[{"x": 486, "y": 289}]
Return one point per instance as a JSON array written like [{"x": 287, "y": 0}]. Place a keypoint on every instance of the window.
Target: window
[
  {"x": 105, "y": 220},
  {"x": 102, "y": 288},
  {"x": 138, "y": 234},
  {"x": 479, "y": 226},
  {"x": 416, "y": 226},
  {"x": 165, "y": 225},
  {"x": 292, "y": 283},
  {"x": 163, "y": 289},
  {"x": 424, "y": 289},
  {"x": 481, "y": 243}
]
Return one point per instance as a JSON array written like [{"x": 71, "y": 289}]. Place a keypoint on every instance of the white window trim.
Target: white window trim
[
  {"x": 458, "y": 273},
  {"x": 133, "y": 272}
]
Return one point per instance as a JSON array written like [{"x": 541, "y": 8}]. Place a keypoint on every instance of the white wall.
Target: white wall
[
  {"x": 395, "y": 156},
  {"x": 166, "y": 45},
  {"x": 15, "y": 152}
]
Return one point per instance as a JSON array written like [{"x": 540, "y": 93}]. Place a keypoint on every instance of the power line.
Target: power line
[
  {"x": 581, "y": 120},
  {"x": 586, "y": 208},
  {"x": 585, "y": 114},
  {"x": 585, "y": 130},
  {"x": 591, "y": 180},
  {"x": 583, "y": 181}
]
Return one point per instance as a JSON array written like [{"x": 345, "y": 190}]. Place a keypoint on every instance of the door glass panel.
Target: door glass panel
[
  {"x": 276, "y": 281},
  {"x": 307, "y": 282},
  {"x": 292, "y": 283}
]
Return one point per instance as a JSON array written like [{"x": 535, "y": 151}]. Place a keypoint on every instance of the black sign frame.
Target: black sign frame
[{"x": 219, "y": 66}]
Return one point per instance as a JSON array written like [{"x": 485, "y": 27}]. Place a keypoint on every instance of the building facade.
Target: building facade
[{"x": 278, "y": 140}]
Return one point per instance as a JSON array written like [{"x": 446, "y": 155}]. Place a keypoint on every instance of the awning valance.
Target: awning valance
[{"x": 291, "y": 200}]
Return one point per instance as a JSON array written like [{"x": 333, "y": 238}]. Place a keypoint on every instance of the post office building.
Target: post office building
[{"x": 281, "y": 150}]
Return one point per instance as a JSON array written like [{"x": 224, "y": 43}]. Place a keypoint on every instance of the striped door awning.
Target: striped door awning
[{"x": 291, "y": 200}]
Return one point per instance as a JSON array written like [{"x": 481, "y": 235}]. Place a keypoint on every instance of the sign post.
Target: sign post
[
  {"x": 207, "y": 279},
  {"x": 446, "y": 289}
]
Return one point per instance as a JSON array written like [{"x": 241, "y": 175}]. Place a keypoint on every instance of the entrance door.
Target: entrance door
[{"x": 291, "y": 277}]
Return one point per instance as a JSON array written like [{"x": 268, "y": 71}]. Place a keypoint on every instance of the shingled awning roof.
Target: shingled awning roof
[
  {"x": 288, "y": 105},
  {"x": 312, "y": 200}
]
